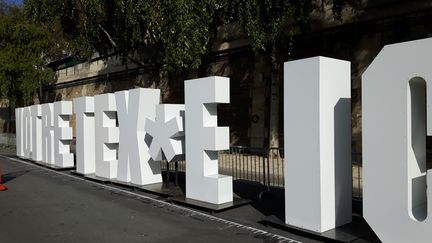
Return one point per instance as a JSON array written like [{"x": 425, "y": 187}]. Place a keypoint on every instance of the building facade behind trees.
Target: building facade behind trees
[{"x": 255, "y": 112}]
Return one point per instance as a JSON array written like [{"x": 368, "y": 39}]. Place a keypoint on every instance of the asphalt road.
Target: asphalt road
[{"x": 46, "y": 206}]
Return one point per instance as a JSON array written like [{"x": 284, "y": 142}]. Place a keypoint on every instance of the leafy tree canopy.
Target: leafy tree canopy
[
  {"x": 22, "y": 59},
  {"x": 175, "y": 33}
]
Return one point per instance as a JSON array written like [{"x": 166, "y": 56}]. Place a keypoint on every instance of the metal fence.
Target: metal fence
[
  {"x": 357, "y": 175},
  {"x": 265, "y": 166},
  {"x": 259, "y": 165}
]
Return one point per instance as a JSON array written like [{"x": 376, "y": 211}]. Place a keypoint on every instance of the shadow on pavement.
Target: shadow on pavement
[
  {"x": 13, "y": 175},
  {"x": 267, "y": 200}
]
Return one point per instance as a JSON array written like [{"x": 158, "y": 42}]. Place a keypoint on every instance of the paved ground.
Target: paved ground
[{"x": 46, "y": 206}]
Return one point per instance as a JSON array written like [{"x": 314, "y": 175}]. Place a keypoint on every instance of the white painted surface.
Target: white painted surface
[
  {"x": 19, "y": 124},
  {"x": 85, "y": 135},
  {"x": 63, "y": 134},
  {"x": 48, "y": 133},
  {"x": 36, "y": 114},
  {"x": 396, "y": 201},
  {"x": 27, "y": 132},
  {"x": 204, "y": 139},
  {"x": 167, "y": 133},
  {"x": 135, "y": 164},
  {"x": 107, "y": 136},
  {"x": 317, "y": 118}
]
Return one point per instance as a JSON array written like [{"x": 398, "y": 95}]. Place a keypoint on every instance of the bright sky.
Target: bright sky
[{"x": 16, "y": 2}]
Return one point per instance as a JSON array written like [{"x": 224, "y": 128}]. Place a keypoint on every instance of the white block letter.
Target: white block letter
[
  {"x": 85, "y": 135},
  {"x": 48, "y": 133},
  {"x": 36, "y": 114},
  {"x": 19, "y": 125},
  {"x": 167, "y": 133},
  {"x": 63, "y": 134},
  {"x": 204, "y": 138},
  {"x": 317, "y": 118},
  {"x": 134, "y": 161},
  {"x": 397, "y": 199},
  {"x": 27, "y": 132},
  {"x": 107, "y": 136}
]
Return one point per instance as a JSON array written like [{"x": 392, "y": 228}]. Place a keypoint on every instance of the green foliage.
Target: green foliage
[
  {"x": 269, "y": 22},
  {"x": 22, "y": 46},
  {"x": 165, "y": 32},
  {"x": 168, "y": 33}
]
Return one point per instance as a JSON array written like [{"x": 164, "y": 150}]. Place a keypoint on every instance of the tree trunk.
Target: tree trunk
[{"x": 258, "y": 107}]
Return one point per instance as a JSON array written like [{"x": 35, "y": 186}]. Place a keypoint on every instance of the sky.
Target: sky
[{"x": 15, "y": 2}]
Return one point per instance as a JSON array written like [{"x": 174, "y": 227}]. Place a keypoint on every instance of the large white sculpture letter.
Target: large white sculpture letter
[
  {"x": 63, "y": 134},
  {"x": 27, "y": 132},
  {"x": 19, "y": 126},
  {"x": 204, "y": 138},
  {"x": 48, "y": 133},
  {"x": 397, "y": 200},
  {"x": 107, "y": 136},
  {"x": 36, "y": 115},
  {"x": 85, "y": 135},
  {"x": 317, "y": 118},
  {"x": 134, "y": 161},
  {"x": 167, "y": 132}
]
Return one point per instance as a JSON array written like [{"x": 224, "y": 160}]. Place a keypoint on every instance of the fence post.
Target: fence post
[
  {"x": 168, "y": 172},
  {"x": 176, "y": 173},
  {"x": 231, "y": 161},
  {"x": 268, "y": 167},
  {"x": 264, "y": 167}
]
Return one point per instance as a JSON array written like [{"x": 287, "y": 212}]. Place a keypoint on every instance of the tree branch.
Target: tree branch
[{"x": 114, "y": 44}]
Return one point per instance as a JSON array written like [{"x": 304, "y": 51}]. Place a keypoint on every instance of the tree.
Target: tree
[
  {"x": 176, "y": 34},
  {"x": 171, "y": 33},
  {"x": 22, "y": 60},
  {"x": 271, "y": 24}
]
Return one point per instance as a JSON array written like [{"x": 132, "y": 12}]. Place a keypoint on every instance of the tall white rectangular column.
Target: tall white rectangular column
[
  {"x": 85, "y": 135},
  {"x": 19, "y": 124},
  {"x": 27, "y": 132},
  {"x": 317, "y": 121},
  {"x": 36, "y": 116},
  {"x": 48, "y": 133}
]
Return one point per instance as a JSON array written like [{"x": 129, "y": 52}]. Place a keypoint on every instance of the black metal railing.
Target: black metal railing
[
  {"x": 265, "y": 166},
  {"x": 357, "y": 175}
]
